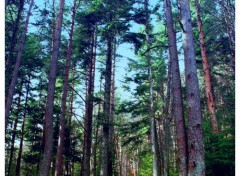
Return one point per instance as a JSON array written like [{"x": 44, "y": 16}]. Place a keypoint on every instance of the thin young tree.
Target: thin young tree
[
  {"x": 48, "y": 125},
  {"x": 61, "y": 139},
  {"x": 206, "y": 70},
  {"x": 17, "y": 66},
  {"x": 196, "y": 163},
  {"x": 154, "y": 141},
  {"x": 177, "y": 92}
]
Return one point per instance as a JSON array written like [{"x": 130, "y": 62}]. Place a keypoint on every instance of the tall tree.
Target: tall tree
[
  {"x": 17, "y": 66},
  {"x": 196, "y": 164},
  {"x": 177, "y": 92},
  {"x": 61, "y": 138},
  {"x": 10, "y": 57},
  {"x": 106, "y": 108},
  {"x": 206, "y": 69},
  {"x": 48, "y": 125},
  {"x": 154, "y": 140}
]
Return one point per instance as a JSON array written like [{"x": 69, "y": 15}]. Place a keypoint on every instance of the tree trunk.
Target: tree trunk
[
  {"x": 48, "y": 145},
  {"x": 177, "y": 93},
  {"x": 18, "y": 167},
  {"x": 206, "y": 69},
  {"x": 89, "y": 109},
  {"x": 196, "y": 164},
  {"x": 10, "y": 58},
  {"x": 14, "y": 133},
  {"x": 154, "y": 141},
  {"x": 61, "y": 139},
  {"x": 106, "y": 110},
  {"x": 112, "y": 108},
  {"x": 96, "y": 136},
  {"x": 17, "y": 66}
]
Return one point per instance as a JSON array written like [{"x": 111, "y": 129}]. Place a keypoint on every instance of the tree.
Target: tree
[
  {"x": 154, "y": 139},
  {"x": 206, "y": 69},
  {"x": 196, "y": 165},
  {"x": 48, "y": 125},
  {"x": 177, "y": 93},
  {"x": 17, "y": 66},
  {"x": 61, "y": 139}
]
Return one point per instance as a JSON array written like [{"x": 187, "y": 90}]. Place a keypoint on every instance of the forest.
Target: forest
[{"x": 119, "y": 87}]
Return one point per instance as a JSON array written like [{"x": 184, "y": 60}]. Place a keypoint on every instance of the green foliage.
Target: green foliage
[{"x": 145, "y": 164}]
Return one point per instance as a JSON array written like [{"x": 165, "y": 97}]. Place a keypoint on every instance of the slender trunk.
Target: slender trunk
[
  {"x": 111, "y": 128},
  {"x": 17, "y": 66},
  {"x": 206, "y": 69},
  {"x": 196, "y": 164},
  {"x": 14, "y": 133},
  {"x": 96, "y": 137},
  {"x": 59, "y": 158},
  {"x": 154, "y": 141},
  {"x": 106, "y": 110},
  {"x": 89, "y": 109},
  {"x": 10, "y": 58},
  {"x": 48, "y": 145},
  {"x": 18, "y": 167},
  {"x": 177, "y": 93}
]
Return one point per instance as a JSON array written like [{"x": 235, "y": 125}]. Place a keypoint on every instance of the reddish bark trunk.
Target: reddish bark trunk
[
  {"x": 48, "y": 145},
  {"x": 59, "y": 158},
  {"x": 206, "y": 69},
  {"x": 17, "y": 66},
  {"x": 196, "y": 164},
  {"x": 177, "y": 93}
]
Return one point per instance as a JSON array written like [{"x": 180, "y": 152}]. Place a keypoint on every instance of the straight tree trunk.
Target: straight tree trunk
[
  {"x": 10, "y": 58},
  {"x": 18, "y": 166},
  {"x": 59, "y": 157},
  {"x": 206, "y": 69},
  {"x": 196, "y": 163},
  {"x": 106, "y": 111},
  {"x": 17, "y": 66},
  {"x": 177, "y": 93},
  {"x": 154, "y": 141},
  {"x": 112, "y": 108},
  {"x": 48, "y": 145},
  {"x": 89, "y": 110},
  {"x": 96, "y": 137}
]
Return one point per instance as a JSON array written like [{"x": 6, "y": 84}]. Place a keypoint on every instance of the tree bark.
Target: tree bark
[
  {"x": 206, "y": 69},
  {"x": 61, "y": 139},
  {"x": 106, "y": 110},
  {"x": 112, "y": 108},
  {"x": 17, "y": 66},
  {"x": 18, "y": 166},
  {"x": 196, "y": 164},
  {"x": 48, "y": 145},
  {"x": 177, "y": 93},
  {"x": 89, "y": 109}
]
